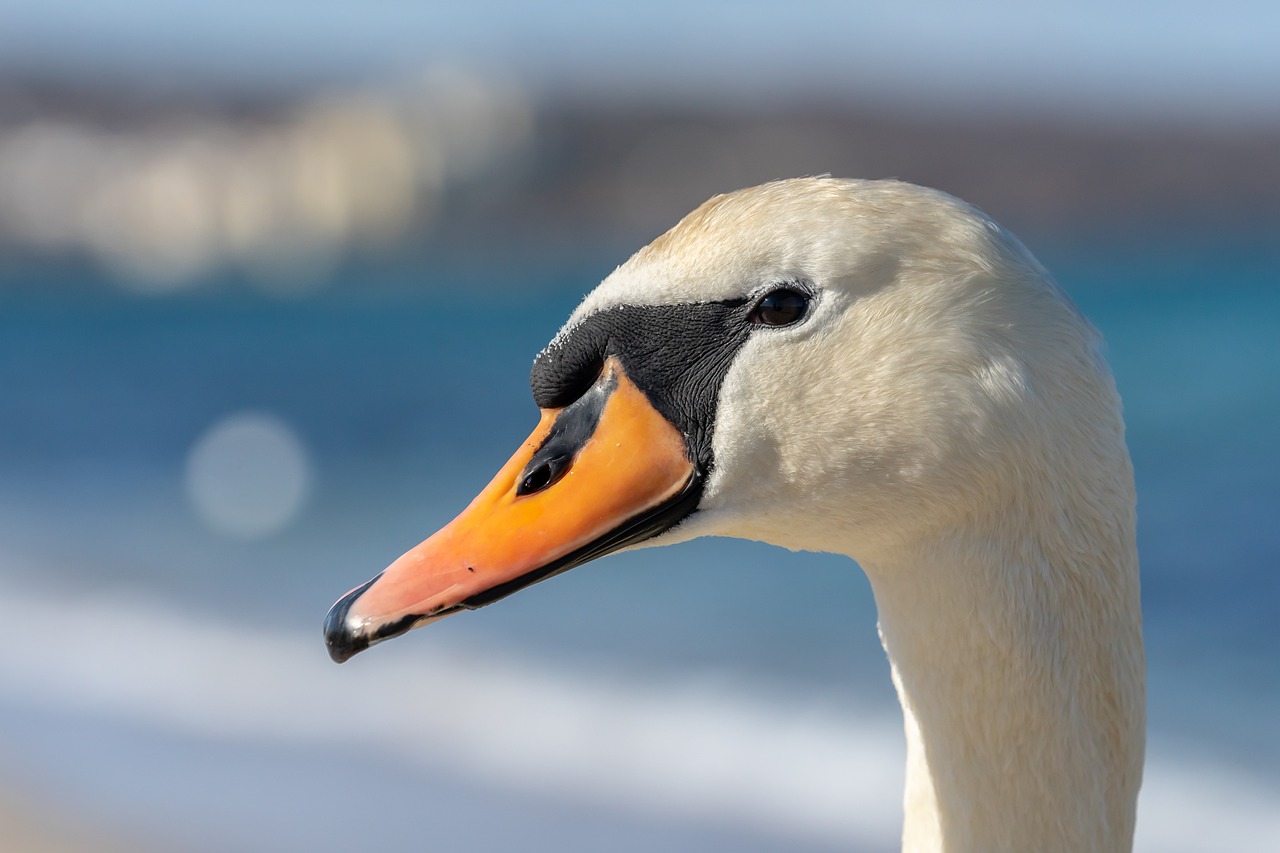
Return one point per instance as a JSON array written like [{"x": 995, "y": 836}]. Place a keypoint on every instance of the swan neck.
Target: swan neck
[{"x": 1020, "y": 672}]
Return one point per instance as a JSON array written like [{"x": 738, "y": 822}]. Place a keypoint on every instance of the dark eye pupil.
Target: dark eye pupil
[{"x": 780, "y": 308}]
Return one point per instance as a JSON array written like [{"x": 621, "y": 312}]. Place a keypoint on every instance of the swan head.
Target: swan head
[{"x": 817, "y": 363}]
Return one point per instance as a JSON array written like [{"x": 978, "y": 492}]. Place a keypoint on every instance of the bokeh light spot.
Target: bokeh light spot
[{"x": 248, "y": 475}]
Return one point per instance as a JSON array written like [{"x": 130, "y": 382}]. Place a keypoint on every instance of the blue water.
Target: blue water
[{"x": 130, "y": 698}]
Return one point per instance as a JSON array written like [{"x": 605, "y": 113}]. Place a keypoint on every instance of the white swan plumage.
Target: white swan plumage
[{"x": 874, "y": 369}]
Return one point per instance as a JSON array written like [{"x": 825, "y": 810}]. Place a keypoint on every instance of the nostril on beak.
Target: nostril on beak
[
  {"x": 572, "y": 431},
  {"x": 545, "y": 474}
]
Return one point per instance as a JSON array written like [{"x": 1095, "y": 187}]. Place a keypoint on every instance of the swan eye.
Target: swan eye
[{"x": 780, "y": 307}]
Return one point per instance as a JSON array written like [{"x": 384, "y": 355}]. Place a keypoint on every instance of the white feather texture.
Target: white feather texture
[{"x": 943, "y": 416}]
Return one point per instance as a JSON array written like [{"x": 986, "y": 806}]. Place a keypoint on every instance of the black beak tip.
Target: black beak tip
[{"x": 341, "y": 641}]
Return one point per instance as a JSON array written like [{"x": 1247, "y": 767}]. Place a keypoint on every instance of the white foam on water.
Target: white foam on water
[
  {"x": 680, "y": 750},
  {"x": 786, "y": 764},
  {"x": 1197, "y": 806}
]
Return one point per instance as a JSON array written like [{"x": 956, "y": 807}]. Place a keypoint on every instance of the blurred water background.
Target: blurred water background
[{"x": 271, "y": 279}]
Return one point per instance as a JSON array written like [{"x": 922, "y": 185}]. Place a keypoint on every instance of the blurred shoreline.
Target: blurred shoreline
[{"x": 164, "y": 187}]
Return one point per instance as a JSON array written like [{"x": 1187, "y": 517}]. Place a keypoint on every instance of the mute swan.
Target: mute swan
[{"x": 874, "y": 369}]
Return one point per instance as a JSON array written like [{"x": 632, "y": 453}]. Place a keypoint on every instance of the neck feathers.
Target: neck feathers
[{"x": 1017, "y": 654}]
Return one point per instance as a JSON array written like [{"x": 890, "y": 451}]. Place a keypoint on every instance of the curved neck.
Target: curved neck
[{"x": 1020, "y": 672}]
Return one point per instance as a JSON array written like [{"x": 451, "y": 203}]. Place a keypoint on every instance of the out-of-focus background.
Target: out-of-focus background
[{"x": 271, "y": 278}]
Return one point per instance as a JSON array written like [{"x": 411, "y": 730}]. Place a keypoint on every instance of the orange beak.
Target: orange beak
[{"x": 600, "y": 474}]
